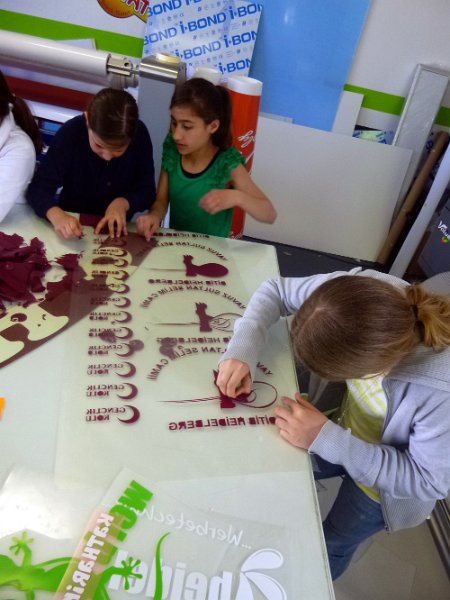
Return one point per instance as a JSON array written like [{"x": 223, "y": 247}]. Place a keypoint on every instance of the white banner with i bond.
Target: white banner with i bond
[{"x": 219, "y": 34}]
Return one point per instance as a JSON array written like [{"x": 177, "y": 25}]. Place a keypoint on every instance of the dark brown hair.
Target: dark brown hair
[
  {"x": 21, "y": 112},
  {"x": 113, "y": 115},
  {"x": 354, "y": 326},
  {"x": 209, "y": 102}
]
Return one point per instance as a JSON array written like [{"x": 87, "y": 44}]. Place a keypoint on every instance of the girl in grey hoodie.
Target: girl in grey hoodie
[{"x": 390, "y": 437}]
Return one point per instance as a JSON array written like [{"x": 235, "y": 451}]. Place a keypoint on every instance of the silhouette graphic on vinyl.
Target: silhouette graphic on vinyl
[
  {"x": 259, "y": 388},
  {"x": 192, "y": 270},
  {"x": 221, "y": 322}
]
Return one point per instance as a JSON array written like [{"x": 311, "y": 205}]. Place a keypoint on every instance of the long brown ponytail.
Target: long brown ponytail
[{"x": 21, "y": 112}]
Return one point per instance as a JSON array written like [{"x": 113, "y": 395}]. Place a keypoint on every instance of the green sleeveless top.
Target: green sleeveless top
[{"x": 185, "y": 191}]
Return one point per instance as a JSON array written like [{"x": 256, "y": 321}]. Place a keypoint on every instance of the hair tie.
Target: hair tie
[
  {"x": 415, "y": 310},
  {"x": 418, "y": 325}
]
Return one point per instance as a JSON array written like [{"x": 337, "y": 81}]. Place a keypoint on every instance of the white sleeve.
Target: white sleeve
[{"x": 17, "y": 164}]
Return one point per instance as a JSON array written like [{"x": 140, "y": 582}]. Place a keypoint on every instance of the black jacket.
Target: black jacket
[{"x": 89, "y": 183}]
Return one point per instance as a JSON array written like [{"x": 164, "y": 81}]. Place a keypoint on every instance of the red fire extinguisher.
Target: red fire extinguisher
[{"x": 245, "y": 93}]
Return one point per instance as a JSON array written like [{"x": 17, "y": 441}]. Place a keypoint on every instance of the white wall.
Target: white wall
[
  {"x": 397, "y": 36},
  {"x": 87, "y": 13}
]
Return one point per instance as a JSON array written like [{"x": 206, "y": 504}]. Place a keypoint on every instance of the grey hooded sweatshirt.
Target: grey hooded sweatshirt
[{"x": 411, "y": 465}]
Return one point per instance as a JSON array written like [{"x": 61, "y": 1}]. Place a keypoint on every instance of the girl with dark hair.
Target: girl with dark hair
[
  {"x": 20, "y": 141},
  {"x": 389, "y": 438},
  {"x": 99, "y": 163},
  {"x": 203, "y": 176}
]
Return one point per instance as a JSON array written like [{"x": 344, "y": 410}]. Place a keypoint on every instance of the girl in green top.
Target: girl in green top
[{"x": 203, "y": 176}]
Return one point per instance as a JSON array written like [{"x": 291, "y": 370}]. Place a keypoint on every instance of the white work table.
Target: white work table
[{"x": 125, "y": 381}]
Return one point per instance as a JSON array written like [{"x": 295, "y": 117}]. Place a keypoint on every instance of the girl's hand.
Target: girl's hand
[
  {"x": 299, "y": 421},
  {"x": 234, "y": 378},
  {"x": 115, "y": 218},
  {"x": 147, "y": 225},
  {"x": 66, "y": 226},
  {"x": 217, "y": 200}
]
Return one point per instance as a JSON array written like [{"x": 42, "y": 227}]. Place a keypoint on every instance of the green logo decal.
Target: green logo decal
[
  {"x": 85, "y": 575},
  {"x": 47, "y": 576}
]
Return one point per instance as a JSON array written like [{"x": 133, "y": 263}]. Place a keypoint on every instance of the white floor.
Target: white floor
[{"x": 400, "y": 566}]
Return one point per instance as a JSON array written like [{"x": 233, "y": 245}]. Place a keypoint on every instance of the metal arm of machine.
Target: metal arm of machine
[
  {"x": 64, "y": 60},
  {"x": 157, "y": 75}
]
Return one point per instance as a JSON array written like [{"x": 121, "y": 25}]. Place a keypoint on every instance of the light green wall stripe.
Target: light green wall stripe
[
  {"x": 388, "y": 103},
  {"x": 380, "y": 101},
  {"x": 56, "y": 30},
  {"x": 443, "y": 117}
]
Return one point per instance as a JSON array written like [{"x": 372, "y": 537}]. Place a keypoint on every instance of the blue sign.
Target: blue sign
[{"x": 303, "y": 54}]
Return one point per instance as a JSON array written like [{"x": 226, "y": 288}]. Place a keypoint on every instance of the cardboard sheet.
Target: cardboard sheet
[{"x": 333, "y": 193}]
